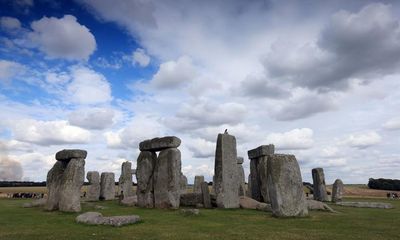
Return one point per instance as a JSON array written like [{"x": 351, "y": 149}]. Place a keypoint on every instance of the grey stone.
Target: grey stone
[
  {"x": 184, "y": 183},
  {"x": 35, "y": 203},
  {"x": 146, "y": 163},
  {"x": 317, "y": 205},
  {"x": 320, "y": 193},
  {"x": 125, "y": 183},
  {"x": 167, "y": 177},
  {"x": 240, "y": 160},
  {"x": 158, "y": 144},
  {"x": 129, "y": 201},
  {"x": 255, "y": 184},
  {"x": 263, "y": 178},
  {"x": 249, "y": 203},
  {"x": 225, "y": 169},
  {"x": 95, "y": 218},
  {"x": 54, "y": 182},
  {"x": 285, "y": 186},
  {"x": 191, "y": 199},
  {"x": 68, "y": 154},
  {"x": 93, "y": 189},
  {"x": 263, "y": 150},
  {"x": 190, "y": 211},
  {"x": 337, "y": 191},
  {"x": 241, "y": 180},
  {"x": 73, "y": 179},
  {"x": 197, "y": 183},
  {"x": 206, "y": 195},
  {"x": 107, "y": 186},
  {"x": 248, "y": 192},
  {"x": 366, "y": 205}
]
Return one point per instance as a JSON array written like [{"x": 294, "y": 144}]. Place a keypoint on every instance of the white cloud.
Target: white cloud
[
  {"x": 10, "y": 170},
  {"x": 363, "y": 140},
  {"x": 63, "y": 38},
  {"x": 88, "y": 87},
  {"x": 201, "y": 148},
  {"x": 140, "y": 57},
  {"x": 299, "y": 138},
  {"x": 10, "y": 23},
  {"x": 92, "y": 118},
  {"x": 48, "y": 132},
  {"x": 9, "y": 69},
  {"x": 392, "y": 124}
]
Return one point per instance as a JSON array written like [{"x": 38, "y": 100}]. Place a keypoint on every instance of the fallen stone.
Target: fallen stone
[
  {"x": 249, "y": 203},
  {"x": 107, "y": 186},
  {"x": 189, "y": 212},
  {"x": 263, "y": 150},
  {"x": 206, "y": 195},
  {"x": 68, "y": 154},
  {"x": 337, "y": 190},
  {"x": 93, "y": 189},
  {"x": 146, "y": 163},
  {"x": 158, "y": 144},
  {"x": 320, "y": 193},
  {"x": 129, "y": 201},
  {"x": 96, "y": 218},
  {"x": 197, "y": 183},
  {"x": 366, "y": 205},
  {"x": 36, "y": 203},
  {"x": 285, "y": 186},
  {"x": 317, "y": 205}
]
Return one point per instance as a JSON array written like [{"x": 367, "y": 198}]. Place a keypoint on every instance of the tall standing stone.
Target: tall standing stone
[
  {"x": 184, "y": 183},
  {"x": 225, "y": 170},
  {"x": 146, "y": 163},
  {"x": 263, "y": 178},
  {"x": 320, "y": 193},
  {"x": 54, "y": 183},
  {"x": 93, "y": 189},
  {"x": 286, "y": 186},
  {"x": 167, "y": 177},
  {"x": 125, "y": 180},
  {"x": 206, "y": 195},
  {"x": 197, "y": 183},
  {"x": 107, "y": 186},
  {"x": 240, "y": 177},
  {"x": 337, "y": 190},
  {"x": 248, "y": 193}
]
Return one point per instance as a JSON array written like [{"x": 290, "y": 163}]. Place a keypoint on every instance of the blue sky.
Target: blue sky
[{"x": 105, "y": 75}]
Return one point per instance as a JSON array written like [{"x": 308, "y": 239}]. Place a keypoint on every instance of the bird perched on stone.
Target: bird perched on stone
[{"x": 226, "y": 131}]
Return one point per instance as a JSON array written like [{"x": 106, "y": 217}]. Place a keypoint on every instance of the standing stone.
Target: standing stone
[
  {"x": 286, "y": 186},
  {"x": 197, "y": 184},
  {"x": 167, "y": 176},
  {"x": 320, "y": 193},
  {"x": 206, "y": 195},
  {"x": 54, "y": 183},
  {"x": 183, "y": 183},
  {"x": 107, "y": 186},
  {"x": 337, "y": 191},
  {"x": 255, "y": 180},
  {"x": 158, "y": 144},
  {"x": 125, "y": 180},
  {"x": 263, "y": 176},
  {"x": 93, "y": 189},
  {"x": 146, "y": 163},
  {"x": 240, "y": 177},
  {"x": 225, "y": 170},
  {"x": 73, "y": 179},
  {"x": 248, "y": 193}
]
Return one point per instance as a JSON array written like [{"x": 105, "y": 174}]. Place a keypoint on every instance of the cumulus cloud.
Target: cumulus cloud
[
  {"x": 10, "y": 170},
  {"x": 63, "y": 38},
  {"x": 392, "y": 124},
  {"x": 92, "y": 118},
  {"x": 49, "y": 132},
  {"x": 9, "y": 69},
  {"x": 140, "y": 57},
  {"x": 363, "y": 140},
  {"x": 201, "y": 148},
  {"x": 262, "y": 88},
  {"x": 10, "y": 24},
  {"x": 299, "y": 138}
]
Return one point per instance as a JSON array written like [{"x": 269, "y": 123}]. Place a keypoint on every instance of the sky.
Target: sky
[{"x": 318, "y": 79}]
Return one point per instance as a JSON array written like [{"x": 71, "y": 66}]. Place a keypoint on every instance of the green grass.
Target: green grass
[{"x": 350, "y": 223}]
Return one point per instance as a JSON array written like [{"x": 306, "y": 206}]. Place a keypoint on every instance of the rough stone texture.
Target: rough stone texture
[
  {"x": 95, "y": 218},
  {"x": 263, "y": 178},
  {"x": 93, "y": 189},
  {"x": 317, "y": 205},
  {"x": 249, "y": 203},
  {"x": 158, "y": 144},
  {"x": 254, "y": 181},
  {"x": 241, "y": 180},
  {"x": 125, "y": 180},
  {"x": 197, "y": 183},
  {"x": 285, "y": 186},
  {"x": 184, "y": 183},
  {"x": 240, "y": 160},
  {"x": 54, "y": 183},
  {"x": 167, "y": 177},
  {"x": 225, "y": 170},
  {"x": 337, "y": 191},
  {"x": 107, "y": 186},
  {"x": 189, "y": 212},
  {"x": 248, "y": 192},
  {"x": 68, "y": 154},
  {"x": 320, "y": 193},
  {"x": 366, "y": 204},
  {"x": 36, "y": 203},
  {"x": 263, "y": 150},
  {"x": 73, "y": 179},
  {"x": 129, "y": 201},
  {"x": 146, "y": 163},
  {"x": 206, "y": 195},
  {"x": 191, "y": 199}
]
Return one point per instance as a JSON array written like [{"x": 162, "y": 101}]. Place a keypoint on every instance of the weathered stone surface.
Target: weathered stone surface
[
  {"x": 255, "y": 184},
  {"x": 320, "y": 193},
  {"x": 107, "y": 186},
  {"x": 197, "y": 183},
  {"x": 225, "y": 169},
  {"x": 93, "y": 189},
  {"x": 129, "y": 201},
  {"x": 146, "y": 163},
  {"x": 125, "y": 180},
  {"x": 263, "y": 150},
  {"x": 184, "y": 183},
  {"x": 285, "y": 186},
  {"x": 366, "y": 204},
  {"x": 240, "y": 160},
  {"x": 189, "y": 212},
  {"x": 72, "y": 179},
  {"x": 54, "y": 182},
  {"x": 206, "y": 195},
  {"x": 248, "y": 192},
  {"x": 240, "y": 179},
  {"x": 191, "y": 199},
  {"x": 95, "y": 218},
  {"x": 249, "y": 203},
  {"x": 262, "y": 172},
  {"x": 158, "y": 144},
  {"x": 35, "y": 203},
  {"x": 337, "y": 191},
  {"x": 68, "y": 154},
  {"x": 167, "y": 177},
  {"x": 317, "y": 205}
]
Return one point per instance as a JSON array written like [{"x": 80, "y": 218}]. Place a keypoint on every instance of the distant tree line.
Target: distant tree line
[
  {"x": 384, "y": 184},
  {"x": 21, "y": 184}
]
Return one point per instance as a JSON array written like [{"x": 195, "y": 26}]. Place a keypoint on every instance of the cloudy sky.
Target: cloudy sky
[{"x": 317, "y": 79}]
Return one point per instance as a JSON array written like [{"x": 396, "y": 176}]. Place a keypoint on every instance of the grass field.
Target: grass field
[{"x": 349, "y": 223}]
